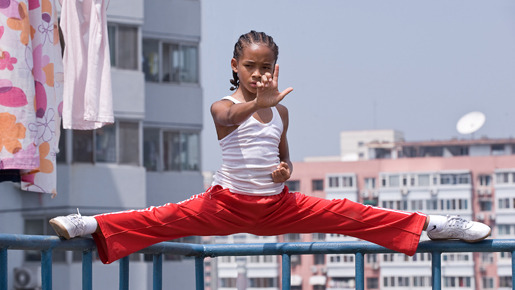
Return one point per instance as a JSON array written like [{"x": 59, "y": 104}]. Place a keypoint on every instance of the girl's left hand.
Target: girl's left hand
[{"x": 282, "y": 173}]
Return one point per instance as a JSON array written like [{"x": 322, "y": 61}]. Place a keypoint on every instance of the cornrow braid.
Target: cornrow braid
[{"x": 247, "y": 39}]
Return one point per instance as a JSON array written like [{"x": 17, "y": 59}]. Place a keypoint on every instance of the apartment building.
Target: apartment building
[
  {"x": 474, "y": 178},
  {"x": 150, "y": 156}
]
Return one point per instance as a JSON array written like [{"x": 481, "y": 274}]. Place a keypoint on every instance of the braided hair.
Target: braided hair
[{"x": 245, "y": 40}]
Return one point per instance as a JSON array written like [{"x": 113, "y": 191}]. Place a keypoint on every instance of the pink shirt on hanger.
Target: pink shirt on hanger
[{"x": 87, "y": 97}]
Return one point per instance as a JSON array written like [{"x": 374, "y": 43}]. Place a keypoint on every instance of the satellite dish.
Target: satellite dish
[{"x": 470, "y": 122}]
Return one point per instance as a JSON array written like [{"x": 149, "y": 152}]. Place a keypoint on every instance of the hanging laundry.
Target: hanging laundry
[
  {"x": 87, "y": 67},
  {"x": 31, "y": 83}
]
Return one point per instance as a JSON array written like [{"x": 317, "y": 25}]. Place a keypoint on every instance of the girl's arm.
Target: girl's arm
[{"x": 285, "y": 168}]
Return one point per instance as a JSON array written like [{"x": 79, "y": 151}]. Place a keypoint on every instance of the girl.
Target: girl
[{"x": 248, "y": 192}]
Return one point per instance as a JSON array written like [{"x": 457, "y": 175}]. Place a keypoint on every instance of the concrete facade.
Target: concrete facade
[{"x": 172, "y": 108}]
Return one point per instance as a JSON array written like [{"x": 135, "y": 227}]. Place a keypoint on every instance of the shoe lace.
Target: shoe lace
[
  {"x": 78, "y": 222},
  {"x": 456, "y": 222}
]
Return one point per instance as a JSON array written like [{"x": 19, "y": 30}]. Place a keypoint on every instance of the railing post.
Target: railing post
[
  {"x": 158, "y": 271},
  {"x": 46, "y": 269},
  {"x": 3, "y": 268},
  {"x": 286, "y": 272},
  {"x": 199, "y": 273},
  {"x": 436, "y": 270},
  {"x": 87, "y": 270},
  {"x": 360, "y": 271},
  {"x": 124, "y": 273}
]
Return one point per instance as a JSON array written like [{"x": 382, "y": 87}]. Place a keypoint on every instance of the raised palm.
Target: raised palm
[{"x": 267, "y": 94}]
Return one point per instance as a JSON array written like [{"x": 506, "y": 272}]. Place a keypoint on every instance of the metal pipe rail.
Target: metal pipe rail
[{"x": 47, "y": 244}]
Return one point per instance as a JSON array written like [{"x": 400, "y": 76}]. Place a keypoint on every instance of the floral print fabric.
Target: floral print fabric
[{"x": 31, "y": 81}]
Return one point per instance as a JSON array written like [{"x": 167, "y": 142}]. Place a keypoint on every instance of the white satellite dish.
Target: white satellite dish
[{"x": 470, "y": 122}]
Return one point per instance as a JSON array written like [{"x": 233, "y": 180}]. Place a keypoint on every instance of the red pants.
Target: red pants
[{"x": 220, "y": 212}]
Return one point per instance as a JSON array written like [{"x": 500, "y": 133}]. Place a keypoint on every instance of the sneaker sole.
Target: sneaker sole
[
  {"x": 468, "y": 241},
  {"x": 59, "y": 229}
]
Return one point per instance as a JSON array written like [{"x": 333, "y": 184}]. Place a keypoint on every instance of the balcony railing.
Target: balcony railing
[{"x": 48, "y": 244}]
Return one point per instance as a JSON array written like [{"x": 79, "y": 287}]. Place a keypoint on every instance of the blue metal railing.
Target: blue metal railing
[{"x": 48, "y": 244}]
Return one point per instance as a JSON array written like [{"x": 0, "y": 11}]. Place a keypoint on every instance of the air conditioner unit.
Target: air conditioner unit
[
  {"x": 492, "y": 217},
  {"x": 324, "y": 270},
  {"x": 433, "y": 191},
  {"x": 375, "y": 193},
  {"x": 480, "y": 217},
  {"x": 479, "y": 192},
  {"x": 364, "y": 194},
  {"x": 375, "y": 266},
  {"x": 27, "y": 277},
  {"x": 314, "y": 269}
]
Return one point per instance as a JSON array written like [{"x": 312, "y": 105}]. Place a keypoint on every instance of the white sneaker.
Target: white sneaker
[
  {"x": 69, "y": 226},
  {"x": 461, "y": 229}
]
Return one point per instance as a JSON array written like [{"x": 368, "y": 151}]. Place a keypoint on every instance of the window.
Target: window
[
  {"x": 318, "y": 236},
  {"x": 293, "y": 185},
  {"x": 497, "y": 149},
  {"x": 117, "y": 143},
  {"x": 347, "y": 181},
  {"x": 485, "y": 205},
  {"x": 318, "y": 259},
  {"x": 504, "y": 203},
  {"x": 40, "y": 226},
  {"x": 423, "y": 180},
  {"x": 263, "y": 282},
  {"x": 123, "y": 46},
  {"x": 370, "y": 183},
  {"x": 151, "y": 60},
  {"x": 171, "y": 150},
  {"x": 372, "y": 283},
  {"x": 502, "y": 177},
  {"x": 453, "y": 179},
  {"x": 505, "y": 281},
  {"x": 393, "y": 181},
  {"x": 334, "y": 181},
  {"x": 83, "y": 146},
  {"x": 170, "y": 62},
  {"x": 61, "y": 156},
  {"x": 504, "y": 229},
  {"x": 317, "y": 184},
  {"x": 292, "y": 238},
  {"x": 488, "y": 282},
  {"x": 228, "y": 282},
  {"x": 484, "y": 180}
]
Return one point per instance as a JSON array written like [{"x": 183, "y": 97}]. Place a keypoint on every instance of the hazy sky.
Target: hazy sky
[{"x": 412, "y": 66}]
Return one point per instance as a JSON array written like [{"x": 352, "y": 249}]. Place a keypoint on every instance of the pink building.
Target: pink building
[{"x": 472, "y": 178}]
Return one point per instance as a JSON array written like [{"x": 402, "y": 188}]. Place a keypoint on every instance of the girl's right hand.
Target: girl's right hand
[{"x": 267, "y": 93}]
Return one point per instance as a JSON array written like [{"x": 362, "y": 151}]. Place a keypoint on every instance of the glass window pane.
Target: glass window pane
[
  {"x": 128, "y": 47},
  {"x": 393, "y": 180},
  {"x": 189, "y": 64},
  {"x": 61, "y": 155},
  {"x": 190, "y": 151},
  {"x": 170, "y": 63},
  {"x": 83, "y": 146},
  {"x": 171, "y": 154},
  {"x": 129, "y": 143},
  {"x": 151, "y": 149},
  {"x": 423, "y": 180},
  {"x": 111, "y": 32},
  {"x": 105, "y": 150},
  {"x": 151, "y": 60}
]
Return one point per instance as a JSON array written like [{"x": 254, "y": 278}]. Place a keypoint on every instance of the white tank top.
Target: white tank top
[{"x": 249, "y": 156}]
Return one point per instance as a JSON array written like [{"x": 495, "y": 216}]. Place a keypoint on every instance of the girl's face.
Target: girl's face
[{"x": 255, "y": 61}]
